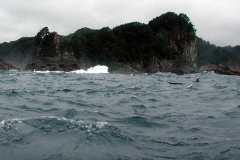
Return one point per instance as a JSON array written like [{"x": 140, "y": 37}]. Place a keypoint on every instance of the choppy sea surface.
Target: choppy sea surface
[{"x": 84, "y": 115}]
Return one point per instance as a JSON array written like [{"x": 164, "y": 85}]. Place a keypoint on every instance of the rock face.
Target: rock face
[
  {"x": 164, "y": 66},
  {"x": 227, "y": 70},
  {"x": 221, "y": 69},
  {"x": 209, "y": 67},
  {"x": 185, "y": 61},
  {"x": 6, "y": 66},
  {"x": 190, "y": 57},
  {"x": 56, "y": 61}
]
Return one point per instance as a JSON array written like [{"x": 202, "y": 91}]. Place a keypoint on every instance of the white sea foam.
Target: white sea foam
[
  {"x": 41, "y": 71},
  {"x": 101, "y": 124},
  {"x": 96, "y": 69},
  {"x": 48, "y": 71}
]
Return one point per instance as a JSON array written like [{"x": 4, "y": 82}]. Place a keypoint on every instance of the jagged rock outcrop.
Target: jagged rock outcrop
[
  {"x": 57, "y": 60},
  {"x": 209, "y": 67},
  {"x": 235, "y": 69},
  {"x": 220, "y": 69},
  {"x": 226, "y": 70},
  {"x": 6, "y": 66},
  {"x": 186, "y": 50}
]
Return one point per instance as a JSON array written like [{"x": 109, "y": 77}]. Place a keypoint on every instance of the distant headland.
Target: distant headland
[{"x": 168, "y": 43}]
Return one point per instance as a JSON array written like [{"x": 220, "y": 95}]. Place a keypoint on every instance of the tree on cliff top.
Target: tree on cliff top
[
  {"x": 44, "y": 41},
  {"x": 171, "y": 32},
  {"x": 41, "y": 35},
  {"x": 173, "y": 24}
]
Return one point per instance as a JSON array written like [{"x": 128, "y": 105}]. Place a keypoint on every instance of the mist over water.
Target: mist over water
[{"x": 83, "y": 115}]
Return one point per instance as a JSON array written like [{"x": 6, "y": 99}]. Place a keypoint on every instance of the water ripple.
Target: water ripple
[{"x": 114, "y": 116}]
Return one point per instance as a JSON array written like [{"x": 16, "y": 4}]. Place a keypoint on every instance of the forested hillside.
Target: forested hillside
[
  {"x": 211, "y": 54},
  {"x": 235, "y": 54},
  {"x": 18, "y": 52}
]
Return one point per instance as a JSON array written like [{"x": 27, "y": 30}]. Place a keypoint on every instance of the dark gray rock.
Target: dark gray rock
[
  {"x": 220, "y": 69},
  {"x": 226, "y": 70},
  {"x": 53, "y": 64}
]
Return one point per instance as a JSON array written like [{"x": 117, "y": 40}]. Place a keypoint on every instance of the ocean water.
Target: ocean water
[{"x": 96, "y": 115}]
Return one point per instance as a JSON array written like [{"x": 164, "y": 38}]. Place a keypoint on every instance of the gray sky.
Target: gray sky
[{"x": 216, "y": 21}]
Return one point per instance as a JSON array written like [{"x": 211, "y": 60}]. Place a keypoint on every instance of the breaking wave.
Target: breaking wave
[{"x": 92, "y": 70}]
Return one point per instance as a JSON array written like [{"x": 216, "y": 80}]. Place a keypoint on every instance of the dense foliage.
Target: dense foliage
[
  {"x": 235, "y": 54},
  {"x": 44, "y": 43},
  {"x": 211, "y": 54}
]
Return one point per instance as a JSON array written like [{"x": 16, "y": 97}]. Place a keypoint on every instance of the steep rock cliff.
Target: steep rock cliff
[
  {"x": 55, "y": 59},
  {"x": 175, "y": 37},
  {"x": 189, "y": 57},
  {"x": 184, "y": 61}
]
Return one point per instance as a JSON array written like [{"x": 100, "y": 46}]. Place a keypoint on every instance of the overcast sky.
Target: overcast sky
[{"x": 216, "y": 21}]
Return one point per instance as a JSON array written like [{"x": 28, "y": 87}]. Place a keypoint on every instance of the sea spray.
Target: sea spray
[{"x": 96, "y": 69}]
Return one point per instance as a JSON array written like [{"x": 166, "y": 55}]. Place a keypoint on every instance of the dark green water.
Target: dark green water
[{"x": 114, "y": 116}]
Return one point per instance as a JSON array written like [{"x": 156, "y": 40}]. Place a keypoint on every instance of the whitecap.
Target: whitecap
[
  {"x": 101, "y": 124},
  {"x": 47, "y": 71},
  {"x": 96, "y": 69},
  {"x": 41, "y": 71}
]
